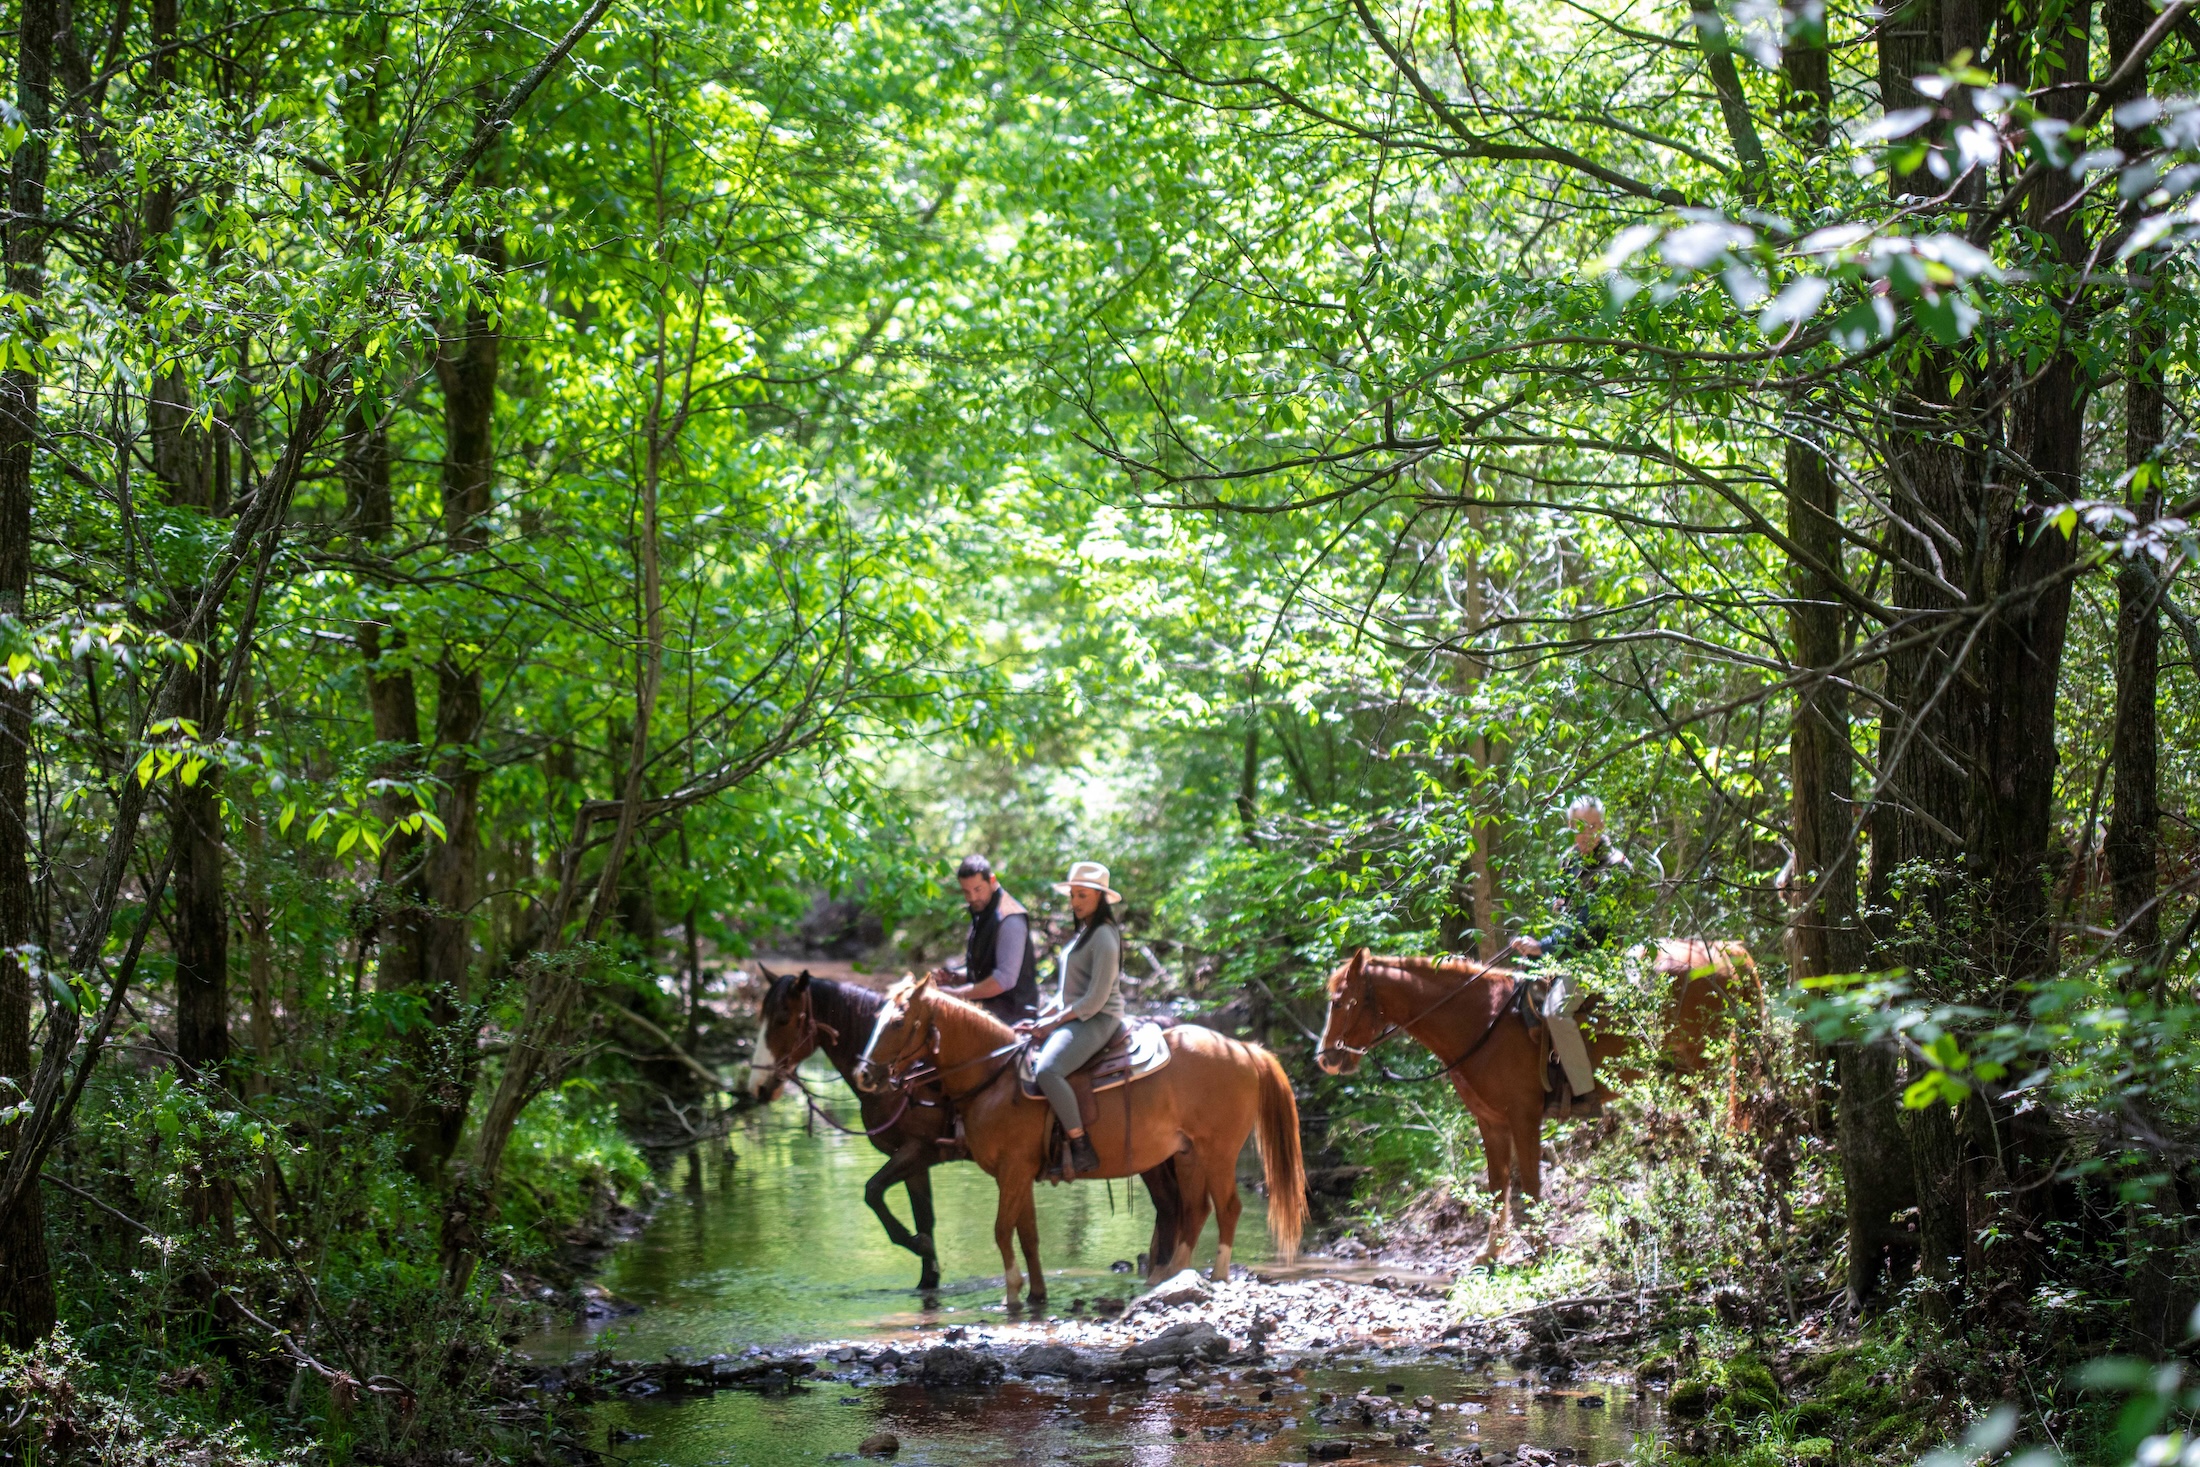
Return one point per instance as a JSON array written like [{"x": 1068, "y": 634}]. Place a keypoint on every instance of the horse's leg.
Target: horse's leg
[
  {"x": 1168, "y": 1210},
  {"x": 909, "y": 1161},
  {"x": 1223, "y": 1189},
  {"x": 1527, "y": 1144},
  {"x": 1015, "y": 1199},
  {"x": 1497, "y": 1155},
  {"x": 1027, "y": 1232},
  {"x": 1191, "y": 1181},
  {"x": 919, "y": 1186}
]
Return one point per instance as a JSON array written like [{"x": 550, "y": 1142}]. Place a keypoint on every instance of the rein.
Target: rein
[
  {"x": 786, "y": 1070},
  {"x": 920, "y": 1073},
  {"x": 817, "y": 1108},
  {"x": 1498, "y": 1017}
]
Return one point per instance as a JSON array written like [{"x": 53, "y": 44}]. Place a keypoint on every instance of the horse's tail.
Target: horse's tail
[
  {"x": 1279, "y": 1155},
  {"x": 1744, "y": 964},
  {"x": 1747, "y": 1013}
]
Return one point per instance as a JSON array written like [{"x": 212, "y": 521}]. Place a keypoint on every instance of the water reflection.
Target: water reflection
[
  {"x": 778, "y": 1247},
  {"x": 1222, "y": 1423}
]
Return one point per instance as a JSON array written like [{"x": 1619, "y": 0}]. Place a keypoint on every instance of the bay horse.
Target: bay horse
[
  {"x": 1460, "y": 1010},
  {"x": 801, "y": 1015},
  {"x": 1197, "y": 1111}
]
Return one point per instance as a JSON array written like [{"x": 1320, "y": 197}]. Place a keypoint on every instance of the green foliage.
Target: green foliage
[{"x": 568, "y": 1159}]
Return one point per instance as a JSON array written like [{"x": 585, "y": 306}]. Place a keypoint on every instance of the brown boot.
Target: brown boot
[{"x": 1561, "y": 1105}]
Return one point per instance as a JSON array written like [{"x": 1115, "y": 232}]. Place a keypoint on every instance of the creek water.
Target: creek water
[{"x": 776, "y": 1247}]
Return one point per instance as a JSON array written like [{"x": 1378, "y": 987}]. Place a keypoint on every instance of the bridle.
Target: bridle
[
  {"x": 805, "y": 1042},
  {"x": 786, "y": 1071},
  {"x": 1365, "y": 996},
  {"x": 919, "y": 1072}
]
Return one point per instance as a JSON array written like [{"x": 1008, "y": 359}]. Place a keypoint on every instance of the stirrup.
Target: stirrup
[{"x": 1563, "y": 1105}]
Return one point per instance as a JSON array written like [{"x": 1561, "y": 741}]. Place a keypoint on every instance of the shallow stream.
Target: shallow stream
[{"x": 776, "y": 1248}]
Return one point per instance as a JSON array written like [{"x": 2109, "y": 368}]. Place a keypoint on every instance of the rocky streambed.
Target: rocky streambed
[
  {"x": 1243, "y": 1372},
  {"x": 760, "y": 1319}
]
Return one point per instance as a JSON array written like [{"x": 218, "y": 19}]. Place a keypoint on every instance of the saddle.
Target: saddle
[
  {"x": 1527, "y": 1001},
  {"x": 1138, "y": 1049}
]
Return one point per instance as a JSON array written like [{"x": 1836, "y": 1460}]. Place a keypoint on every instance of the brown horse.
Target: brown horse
[
  {"x": 1716, "y": 992},
  {"x": 1198, "y": 1111},
  {"x": 801, "y": 1015},
  {"x": 1460, "y": 1011}
]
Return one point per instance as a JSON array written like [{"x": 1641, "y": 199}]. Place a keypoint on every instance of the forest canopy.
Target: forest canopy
[{"x": 505, "y": 509}]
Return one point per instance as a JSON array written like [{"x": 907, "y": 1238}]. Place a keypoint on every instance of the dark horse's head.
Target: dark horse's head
[
  {"x": 1354, "y": 1023},
  {"x": 787, "y": 1032}
]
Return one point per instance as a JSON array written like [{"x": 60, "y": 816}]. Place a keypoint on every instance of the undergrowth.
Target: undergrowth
[{"x": 264, "y": 1285}]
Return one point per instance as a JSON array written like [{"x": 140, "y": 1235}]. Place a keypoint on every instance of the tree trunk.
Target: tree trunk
[
  {"x": 2133, "y": 846},
  {"x": 26, "y": 1279},
  {"x": 1963, "y": 837},
  {"x": 201, "y": 912},
  {"x": 2158, "y": 1226},
  {"x": 1248, "y": 795},
  {"x": 555, "y": 985},
  {"x": 181, "y": 462},
  {"x": 467, "y": 370},
  {"x": 1475, "y": 898},
  {"x": 1873, "y": 1147}
]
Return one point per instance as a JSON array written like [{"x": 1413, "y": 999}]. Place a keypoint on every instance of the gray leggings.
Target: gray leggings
[{"x": 1065, "y": 1050}]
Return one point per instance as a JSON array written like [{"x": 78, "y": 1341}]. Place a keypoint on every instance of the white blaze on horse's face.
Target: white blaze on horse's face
[
  {"x": 870, "y": 1074},
  {"x": 1331, "y": 1057},
  {"x": 1338, "y": 1054},
  {"x": 763, "y": 1079}
]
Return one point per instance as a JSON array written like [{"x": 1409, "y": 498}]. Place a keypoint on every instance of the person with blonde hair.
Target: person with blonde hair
[
  {"x": 1087, "y": 1010},
  {"x": 1591, "y": 875}
]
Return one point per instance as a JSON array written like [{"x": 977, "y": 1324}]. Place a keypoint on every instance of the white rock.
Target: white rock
[{"x": 1185, "y": 1288}]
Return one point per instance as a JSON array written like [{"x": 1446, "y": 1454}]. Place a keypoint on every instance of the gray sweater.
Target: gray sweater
[{"x": 1089, "y": 970}]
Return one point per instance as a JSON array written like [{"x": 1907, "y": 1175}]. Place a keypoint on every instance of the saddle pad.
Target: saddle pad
[{"x": 1138, "y": 1049}]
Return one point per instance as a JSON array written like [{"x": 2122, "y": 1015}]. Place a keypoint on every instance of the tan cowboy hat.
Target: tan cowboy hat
[{"x": 1088, "y": 873}]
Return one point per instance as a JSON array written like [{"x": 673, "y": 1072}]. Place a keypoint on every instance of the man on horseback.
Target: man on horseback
[
  {"x": 1592, "y": 879},
  {"x": 999, "y": 973}
]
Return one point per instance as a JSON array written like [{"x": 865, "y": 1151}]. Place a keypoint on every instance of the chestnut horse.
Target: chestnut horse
[
  {"x": 1198, "y": 1111},
  {"x": 1460, "y": 1011},
  {"x": 801, "y": 1015}
]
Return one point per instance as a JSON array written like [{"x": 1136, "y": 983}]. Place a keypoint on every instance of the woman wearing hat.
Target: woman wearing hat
[{"x": 1088, "y": 1008}]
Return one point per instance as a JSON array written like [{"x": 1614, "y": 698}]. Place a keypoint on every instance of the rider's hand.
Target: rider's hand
[
  {"x": 1025, "y": 1026},
  {"x": 1527, "y": 947}
]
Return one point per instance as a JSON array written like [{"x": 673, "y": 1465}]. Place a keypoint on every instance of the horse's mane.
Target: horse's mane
[
  {"x": 1431, "y": 963},
  {"x": 1446, "y": 965},
  {"x": 954, "y": 1010}
]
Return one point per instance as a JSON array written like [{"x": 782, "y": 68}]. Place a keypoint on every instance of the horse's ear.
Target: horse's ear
[
  {"x": 1359, "y": 963},
  {"x": 766, "y": 974},
  {"x": 920, "y": 982},
  {"x": 801, "y": 982}
]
